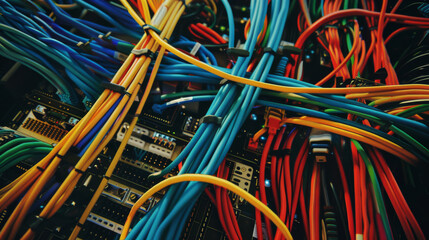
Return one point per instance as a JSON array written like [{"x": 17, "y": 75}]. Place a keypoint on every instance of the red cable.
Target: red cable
[
  {"x": 283, "y": 208},
  {"x": 357, "y": 187},
  {"x": 314, "y": 200},
  {"x": 274, "y": 184},
  {"x": 399, "y": 194},
  {"x": 393, "y": 200},
  {"x": 348, "y": 13},
  {"x": 372, "y": 231},
  {"x": 262, "y": 180},
  {"x": 232, "y": 215},
  {"x": 274, "y": 167},
  {"x": 229, "y": 211},
  {"x": 304, "y": 213},
  {"x": 204, "y": 34},
  {"x": 399, "y": 30},
  {"x": 195, "y": 34},
  {"x": 363, "y": 191},
  {"x": 220, "y": 207},
  {"x": 298, "y": 186},
  {"x": 258, "y": 219},
  {"x": 211, "y": 197},
  {"x": 347, "y": 198},
  {"x": 212, "y": 32}
]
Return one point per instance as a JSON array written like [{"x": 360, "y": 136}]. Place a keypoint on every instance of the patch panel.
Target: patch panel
[{"x": 150, "y": 141}]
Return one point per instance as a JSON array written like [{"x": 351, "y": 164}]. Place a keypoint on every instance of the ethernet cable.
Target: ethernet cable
[
  {"x": 212, "y": 180},
  {"x": 71, "y": 180}
]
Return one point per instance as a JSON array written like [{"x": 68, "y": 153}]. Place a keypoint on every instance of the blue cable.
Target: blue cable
[
  {"x": 97, "y": 127},
  {"x": 171, "y": 215}
]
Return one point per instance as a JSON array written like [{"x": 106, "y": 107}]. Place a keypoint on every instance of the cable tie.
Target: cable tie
[
  {"x": 195, "y": 49},
  {"x": 59, "y": 156},
  {"x": 114, "y": 87},
  {"x": 37, "y": 224},
  {"x": 145, "y": 51},
  {"x": 40, "y": 168},
  {"x": 290, "y": 50},
  {"x": 280, "y": 152},
  {"x": 105, "y": 36},
  {"x": 238, "y": 52},
  {"x": 211, "y": 119},
  {"x": 148, "y": 27},
  {"x": 381, "y": 74},
  {"x": 78, "y": 171},
  {"x": 106, "y": 177},
  {"x": 79, "y": 224},
  {"x": 85, "y": 46},
  {"x": 270, "y": 51},
  {"x": 136, "y": 115}
]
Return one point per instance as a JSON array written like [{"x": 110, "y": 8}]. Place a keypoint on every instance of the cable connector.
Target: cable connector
[
  {"x": 320, "y": 144},
  {"x": 273, "y": 119}
]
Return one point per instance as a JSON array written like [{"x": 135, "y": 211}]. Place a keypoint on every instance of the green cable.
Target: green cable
[
  {"x": 58, "y": 81},
  {"x": 410, "y": 140},
  {"x": 376, "y": 188},
  {"x": 14, "y": 142},
  {"x": 22, "y": 147},
  {"x": 34, "y": 152},
  {"x": 265, "y": 41},
  {"x": 330, "y": 109},
  {"x": 213, "y": 14},
  {"x": 378, "y": 121},
  {"x": 413, "y": 111},
  {"x": 125, "y": 48},
  {"x": 348, "y": 37},
  {"x": 305, "y": 100},
  {"x": 3, "y": 131},
  {"x": 313, "y": 9}
]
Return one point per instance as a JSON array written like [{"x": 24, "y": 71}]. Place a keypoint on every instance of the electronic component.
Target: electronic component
[{"x": 314, "y": 113}]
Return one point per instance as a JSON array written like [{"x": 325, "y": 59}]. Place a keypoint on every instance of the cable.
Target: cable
[{"x": 212, "y": 180}]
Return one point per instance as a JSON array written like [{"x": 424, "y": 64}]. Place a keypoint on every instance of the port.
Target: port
[
  {"x": 243, "y": 171},
  {"x": 134, "y": 196},
  {"x": 113, "y": 190},
  {"x": 242, "y": 183}
]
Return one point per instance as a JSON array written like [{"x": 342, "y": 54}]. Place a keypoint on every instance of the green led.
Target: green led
[
  {"x": 38, "y": 99},
  {"x": 222, "y": 28},
  {"x": 174, "y": 132},
  {"x": 243, "y": 9}
]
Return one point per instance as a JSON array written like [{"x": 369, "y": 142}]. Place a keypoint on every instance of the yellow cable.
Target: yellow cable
[
  {"x": 400, "y": 98},
  {"x": 274, "y": 87},
  {"x": 267, "y": 86},
  {"x": 386, "y": 94},
  {"x": 62, "y": 193},
  {"x": 152, "y": 5},
  {"x": 121, "y": 148},
  {"x": 259, "y": 134},
  {"x": 213, "y": 5},
  {"x": 361, "y": 132},
  {"x": 212, "y": 180},
  {"x": 352, "y": 135}
]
